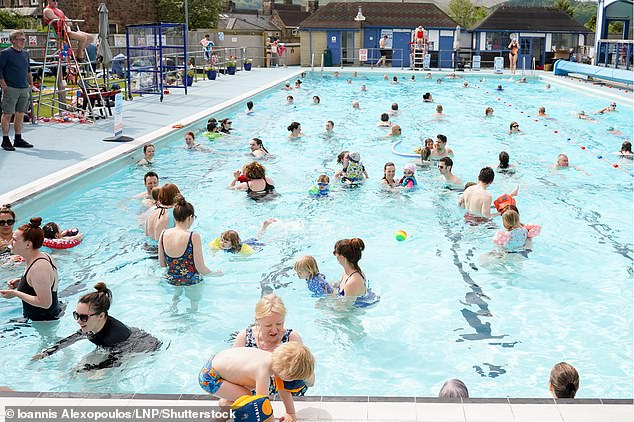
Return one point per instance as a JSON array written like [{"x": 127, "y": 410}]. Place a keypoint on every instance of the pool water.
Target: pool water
[{"x": 447, "y": 309}]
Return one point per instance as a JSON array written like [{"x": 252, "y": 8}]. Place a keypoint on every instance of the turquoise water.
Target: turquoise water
[{"x": 447, "y": 309}]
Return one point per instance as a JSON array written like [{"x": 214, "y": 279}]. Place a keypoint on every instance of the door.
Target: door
[
  {"x": 445, "y": 52},
  {"x": 334, "y": 44},
  {"x": 371, "y": 42},
  {"x": 530, "y": 47},
  {"x": 400, "y": 48},
  {"x": 347, "y": 47}
]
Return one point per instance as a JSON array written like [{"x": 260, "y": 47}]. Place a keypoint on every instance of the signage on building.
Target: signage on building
[
  {"x": 119, "y": 40},
  {"x": 32, "y": 39},
  {"x": 363, "y": 54},
  {"x": 221, "y": 36}
]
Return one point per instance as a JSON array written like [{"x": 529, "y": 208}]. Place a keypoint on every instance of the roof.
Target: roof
[
  {"x": 380, "y": 14},
  {"x": 246, "y": 22},
  {"x": 292, "y": 17},
  {"x": 530, "y": 19}
]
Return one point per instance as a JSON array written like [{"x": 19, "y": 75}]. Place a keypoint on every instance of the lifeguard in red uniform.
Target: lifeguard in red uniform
[
  {"x": 51, "y": 13},
  {"x": 419, "y": 38}
]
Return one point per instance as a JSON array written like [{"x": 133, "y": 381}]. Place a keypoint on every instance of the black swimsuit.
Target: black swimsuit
[{"x": 35, "y": 313}]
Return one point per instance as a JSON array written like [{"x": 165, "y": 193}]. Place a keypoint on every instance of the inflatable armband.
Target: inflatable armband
[
  {"x": 503, "y": 201},
  {"x": 253, "y": 409}
]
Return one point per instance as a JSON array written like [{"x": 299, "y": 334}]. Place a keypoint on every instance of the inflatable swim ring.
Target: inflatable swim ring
[{"x": 63, "y": 243}]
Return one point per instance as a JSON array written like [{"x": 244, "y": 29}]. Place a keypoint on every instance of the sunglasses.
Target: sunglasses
[
  {"x": 320, "y": 184},
  {"x": 82, "y": 317},
  {"x": 7, "y": 222},
  {"x": 408, "y": 172},
  {"x": 515, "y": 126}
]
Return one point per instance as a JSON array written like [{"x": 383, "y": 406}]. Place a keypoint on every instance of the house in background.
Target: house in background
[
  {"x": 611, "y": 49},
  {"x": 544, "y": 34},
  {"x": 333, "y": 27}
]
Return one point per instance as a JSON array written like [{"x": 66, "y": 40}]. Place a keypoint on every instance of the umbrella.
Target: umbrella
[{"x": 104, "y": 47}]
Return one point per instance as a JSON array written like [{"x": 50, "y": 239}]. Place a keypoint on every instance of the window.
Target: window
[
  {"x": 496, "y": 41},
  {"x": 564, "y": 41}
]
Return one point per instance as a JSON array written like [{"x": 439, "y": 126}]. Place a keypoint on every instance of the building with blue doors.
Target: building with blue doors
[
  {"x": 615, "y": 50},
  {"x": 350, "y": 32},
  {"x": 544, "y": 34}
]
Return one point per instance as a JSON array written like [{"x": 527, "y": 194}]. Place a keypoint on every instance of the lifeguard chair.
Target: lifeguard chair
[{"x": 420, "y": 45}]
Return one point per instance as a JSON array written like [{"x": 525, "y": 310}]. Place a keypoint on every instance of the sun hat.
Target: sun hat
[
  {"x": 410, "y": 167},
  {"x": 354, "y": 156}
]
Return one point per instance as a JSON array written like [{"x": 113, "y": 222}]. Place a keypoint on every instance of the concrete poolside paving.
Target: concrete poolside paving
[{"x": 60, "y": 147}]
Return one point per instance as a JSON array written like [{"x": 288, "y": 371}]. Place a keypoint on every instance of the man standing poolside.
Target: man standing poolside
[
  {"x": 16, "y": 82},
  {"x": 382, "y": 50},
  {"x": 444, "y": 167},
  {"x": 476, "y": 200}
]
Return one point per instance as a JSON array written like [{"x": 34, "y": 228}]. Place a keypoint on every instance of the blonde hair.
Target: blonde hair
[
  {"x": 323, "y": 179},
  {"x": 511, "y": 220},
  {"x": 564, "y": 380},
  {"x": 292, "y": 361},
  {"x": 269, "y": 304},
  {"x": 232, "y": 237},
  {"x": 307, "y": 263}
]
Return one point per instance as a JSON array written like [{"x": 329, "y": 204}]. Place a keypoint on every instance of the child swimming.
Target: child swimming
[
  {"x": 517, "y": 237},
  {"x": 306, "y": 268},
  {"x": 408, "y": 180},
  {"x": 321, "y": 189},
  {"x": 229, "y": 241}
]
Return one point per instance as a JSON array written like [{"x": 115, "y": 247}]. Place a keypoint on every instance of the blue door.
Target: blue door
[
  {"x": 371, "y": 44},
  {"x": 334, "y": 44},
  {"x": 530, "y": 47},
  {"x": 400, "y": 49},
  {"x": 445, "y": 53}
]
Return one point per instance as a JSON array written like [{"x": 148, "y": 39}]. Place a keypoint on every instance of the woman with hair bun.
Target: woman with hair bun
[
  {"x": 96, "y": 325},
  {"x": 37, "y": 288},
  {"x": 180, "y": 250},
  {"x": 564, "y": 381},
  {"x": 353, "y": 281}
]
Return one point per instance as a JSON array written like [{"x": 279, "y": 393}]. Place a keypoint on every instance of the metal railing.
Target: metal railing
[{"x": 615, "y": 53}]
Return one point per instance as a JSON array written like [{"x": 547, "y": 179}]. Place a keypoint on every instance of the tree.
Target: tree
[
  {"x": 565, "y": 6},
  {"x": 591, "y": 24},
  {"x": 11, "y": 20},
  {"x": 202, "y": 13},
  {"x": 462, "y": 12}
]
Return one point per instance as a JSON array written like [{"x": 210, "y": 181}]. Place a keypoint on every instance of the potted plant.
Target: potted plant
[
  {"x": 212, "y": 72},
  {"x": 190, "y": 77},
  {"x": 231, "y": 65},
  {"x": 247, "y": 64}
]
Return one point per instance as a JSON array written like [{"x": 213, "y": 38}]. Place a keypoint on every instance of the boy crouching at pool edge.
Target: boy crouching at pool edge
[{"x": 234, "y": 373}]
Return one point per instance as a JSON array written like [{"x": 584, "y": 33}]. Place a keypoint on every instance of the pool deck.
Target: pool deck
[
  {"x": 64, "y": 150},
  {"x": 363, "y": 408}
]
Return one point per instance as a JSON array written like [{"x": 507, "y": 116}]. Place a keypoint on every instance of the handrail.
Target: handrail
[
  {"x": 322, "y": 62},
  {"x": 533, "y": 69},
  {"x": 312, "y": 61},
  {"x": 523, "y": 65}
]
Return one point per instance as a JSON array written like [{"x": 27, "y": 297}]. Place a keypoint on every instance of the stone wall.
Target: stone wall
[{"x": 121, "y": 12}]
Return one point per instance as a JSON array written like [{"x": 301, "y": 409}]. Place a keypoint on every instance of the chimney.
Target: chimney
[
  {"x": 288, "y": 2},
  {"x": 312, "y": 6},
  {"x": 267, "y": 7}
]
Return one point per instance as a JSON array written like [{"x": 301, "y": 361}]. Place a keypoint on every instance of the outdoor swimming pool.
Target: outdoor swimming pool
[{"x": 443, "y": 313}]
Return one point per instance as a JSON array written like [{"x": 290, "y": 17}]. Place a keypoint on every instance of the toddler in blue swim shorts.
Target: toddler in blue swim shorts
[{"x": 306, "y": 268}]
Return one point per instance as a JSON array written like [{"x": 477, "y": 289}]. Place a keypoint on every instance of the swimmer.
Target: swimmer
[
  {"x": 394, "y": 110},
  {"x": 229, "y": 240},
  {"x": 289, "y": 100},
  {"x": 257, "y": 148},
  {"x": 439, "y": 114},
  {"x": 488, "y": 112},
  {"x": 504, "y": 165},
  {"x": 394, "y": 80},
  {"x": 396, "y": 131},
  {"x": 413, "y": 78},
  {"x": 344, "y": 159},
  {"x": 408, "y": 181},
  {"x": 336, "y": 74},
  {"x": 542, "y": 112},
  {"x": 547, "y": 86},
  {"x": 441, "y": 149},
  {"x": 476, "y": 200},
  {"x": 233, "y": 373},
  {"x": 389, "y": 171},
  {"x": 425, "y": 153},
  {"x": 516, "y": 237},
  {"x": 348, "y": 81},
  {"x": 522, "y": 80},
  {"x": 150, "y": 180},
  {"x": 583, "y": 116},
  {"x": 225, "y": 125},
  {"x": 148, "y": 155},
  {"x": 249, "y": 111},
  {"x": 71, "y": 236},
  {"x": 330, "y": 126},
  {"x": 615, "y": 132},
  {"x": 355, "y": 74},
  {"x": 385, "y": 77},
  {"x": 353, "y": 280},
  {"x": 428, "y": 75},
  {"x": 364, "y": 88},
  {"x": 609, "y": 109},
  {"x": 514, "y": 127},
  {"x": 626, "y": 150},
  {"x": 287, "y": 86},
  {"x": 563, "y": 164},
  {"x": 295, "y": 130},
  {"x": 321, "y": 189},
  {"x": 103, "y": 330},
  {"x": 385, "y": 121},
  {"x": 316, "y": 99},
  {"x": 427, "y": 97},
  {"x": 355, "y": 171},
  {"x": 298, "y": 84},
  {"x": 306, "y": 269},
  {"x": 483, "y": 80},
  {"x": 564, "y": 381},
  {"x": 465, "y": 84},
  {"x": 438, "y": 81},
  {"x": 355, "y": 105},
  {"x": 445, "y": 165},
  {"x": 499, "y": 88},
  {"x": 191, "y": 145}
]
